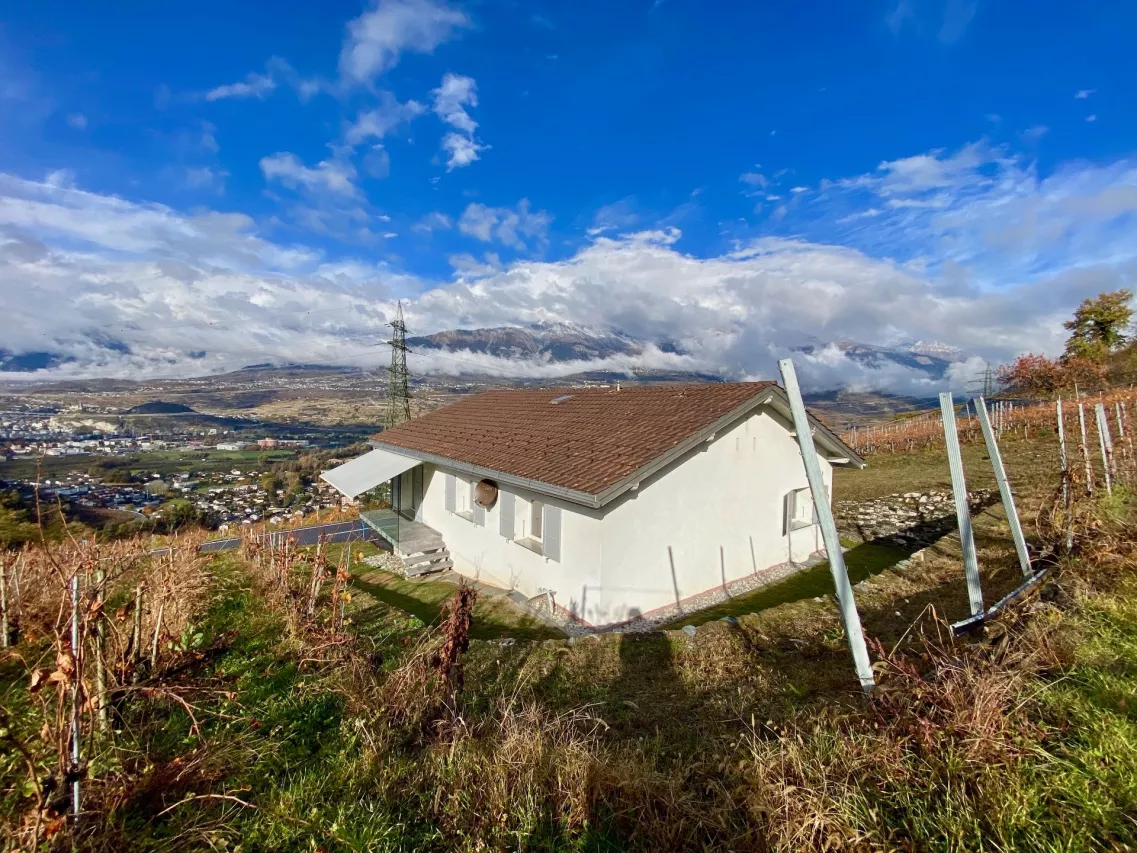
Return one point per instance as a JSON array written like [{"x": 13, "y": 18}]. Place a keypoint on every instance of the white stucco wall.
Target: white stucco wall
[
  {"x": 483, "y": 553},
  {"x": 711, "y": 517}
]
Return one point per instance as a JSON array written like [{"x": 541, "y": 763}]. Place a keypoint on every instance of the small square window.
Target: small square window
[{"x": 799, "y": 509}]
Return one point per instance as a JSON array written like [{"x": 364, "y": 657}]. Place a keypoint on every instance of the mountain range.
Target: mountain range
[
  {"x": 557, "y": 342},
  {"x": 569, "y": 342},
  {"x": 560, "y": 342}
]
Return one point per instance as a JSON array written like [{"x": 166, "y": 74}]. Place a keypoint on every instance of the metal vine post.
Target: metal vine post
[
  {"x": 844, "y": 590},
  {"x": 1004, "y": 488},
  {"x": 962, "y": 508}
]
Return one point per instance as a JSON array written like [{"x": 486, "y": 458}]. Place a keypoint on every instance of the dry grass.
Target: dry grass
[{"x": 745, "y": 737}]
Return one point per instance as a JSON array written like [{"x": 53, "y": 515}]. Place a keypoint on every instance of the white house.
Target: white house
[{"x": 619, "y": 503}]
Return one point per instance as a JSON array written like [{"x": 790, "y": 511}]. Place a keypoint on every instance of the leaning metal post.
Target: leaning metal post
[
  {"x": 1106, "y": 445},
  {"x": 1123, "y": 433},
  {"x": 1004, "y": 488},
  {"x": 1065, "y": 478},
  {"x": 962, "y": 509},
  {"x": 77, "y": 677},
  {"x": 1085, "y": 449},
  {"x": 821, "y": 506}
]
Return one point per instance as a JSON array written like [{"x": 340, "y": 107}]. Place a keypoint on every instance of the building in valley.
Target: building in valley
[{"x": 618, "y": 504}]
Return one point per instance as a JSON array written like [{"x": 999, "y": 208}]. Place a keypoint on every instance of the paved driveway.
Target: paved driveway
[{"x": 341, "y": 531}]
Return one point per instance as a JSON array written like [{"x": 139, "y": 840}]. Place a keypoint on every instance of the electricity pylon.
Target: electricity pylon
[{"x": 398, "y": 386}]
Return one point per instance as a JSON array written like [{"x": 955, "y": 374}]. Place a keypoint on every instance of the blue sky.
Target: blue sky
[{"x": 203, "y": 177}]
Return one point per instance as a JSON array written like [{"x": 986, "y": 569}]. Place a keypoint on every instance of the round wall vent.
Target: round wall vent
[{"x": 485, "y": 493}]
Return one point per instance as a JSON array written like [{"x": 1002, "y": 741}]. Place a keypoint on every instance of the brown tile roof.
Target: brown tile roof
[{"x": 588, "y": 442}]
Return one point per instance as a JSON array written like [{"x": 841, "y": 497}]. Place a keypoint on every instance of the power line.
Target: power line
[{"x": 986, "y": 385}]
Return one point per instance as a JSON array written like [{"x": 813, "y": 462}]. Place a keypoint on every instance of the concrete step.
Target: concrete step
[
  {"x": 420, "y": 549},
  {"x": 426, "y": 557},
  {"x": 426, "y": 568}
]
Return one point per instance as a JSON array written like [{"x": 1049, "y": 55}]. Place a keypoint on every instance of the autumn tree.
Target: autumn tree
[
  {"x": 1100, "y": 325},
  {"x": 1033, "y": 375}
]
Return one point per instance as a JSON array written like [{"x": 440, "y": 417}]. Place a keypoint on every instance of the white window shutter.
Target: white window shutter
[
  {"x": 451, "y": 493},
  {"x": 505, "y": 514},
  {"x": 804, "y": 506},
  {"x": 552, "y": 532},
  {"x": 479, "y": 514}
]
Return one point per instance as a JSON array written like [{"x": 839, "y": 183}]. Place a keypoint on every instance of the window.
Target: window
[
  {"x": 524, "y": 519},
  {"x": 799, "y": 509},
  {"x": 531, "y": 524},
  {"x": 461, "y": 500},
  {"x": 536, "y": 516}
]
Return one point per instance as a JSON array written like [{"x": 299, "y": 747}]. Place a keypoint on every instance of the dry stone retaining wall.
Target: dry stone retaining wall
[{"x": 911, "y": 519}]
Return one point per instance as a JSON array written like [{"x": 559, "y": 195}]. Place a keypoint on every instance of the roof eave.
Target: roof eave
[
  {"x": 571, "y": 495},
  {"x": 842, "y": 455}
]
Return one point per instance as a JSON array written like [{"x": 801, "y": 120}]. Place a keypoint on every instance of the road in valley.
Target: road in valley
[{"x": 341, "y": 531}]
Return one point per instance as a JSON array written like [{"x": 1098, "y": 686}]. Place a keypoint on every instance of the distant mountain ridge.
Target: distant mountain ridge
[
  {"x": 560, "y": 342},
  {"x": 870, "y": 355},
  {"x": 556, "y": 342}
]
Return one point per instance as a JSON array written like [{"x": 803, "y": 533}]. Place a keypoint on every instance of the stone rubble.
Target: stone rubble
[
  {"x": 386, "y": 561},
  {"x": 909, "y": 519},
  {"x": 710, "y": 598}
]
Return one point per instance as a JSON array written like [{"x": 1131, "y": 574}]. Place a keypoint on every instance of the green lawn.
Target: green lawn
[
  {"x": 1029, "y": 464},
  {"x": 495, "y": 617},
  {"x": 862, "y": 561}
]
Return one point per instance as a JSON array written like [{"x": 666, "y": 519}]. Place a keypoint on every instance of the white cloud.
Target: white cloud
[
  {"x": 278, "y": 71},
  {"x": 378, "y": 37},
  {"x": 450, "y": 101},
  {"x": 208, "y": 140},
  {"x": 205, "y": 177},
  {"x": 754, "y": 179},
  {"x": 77, "y": 121},
  {"x": 466, "y": 266},
  {"x": 433, "y": 221},
  {"x": 377, "y": 162},
  {"x": 376, "y": 123},
  {"x": 1083, "y": 94},
  {"x": 948, "y": 19},
  {"x": 253, "y": 86},
  {"x": 335, "y": 176},
  {"x": 1091, "y": 118},
  {"x": 932, "y": 171},
  {"x": 993, "y": 268},
  {"x": 506, "y": 225},
  {"x": 982, "y": 210},
  {"x": 460, "y": 150},
  {"x": 1033, "y": 134},
  {"x": 614, "y": 217}
]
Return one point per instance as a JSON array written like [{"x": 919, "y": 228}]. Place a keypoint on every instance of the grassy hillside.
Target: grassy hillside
[{"x": 272, "y": 731}]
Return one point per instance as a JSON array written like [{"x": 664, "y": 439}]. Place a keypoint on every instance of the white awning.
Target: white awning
[{"x": 367, "y": 471}]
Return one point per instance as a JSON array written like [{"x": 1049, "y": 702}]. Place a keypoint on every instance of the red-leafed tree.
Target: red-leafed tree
[{"x": 1038, "y": 376}]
